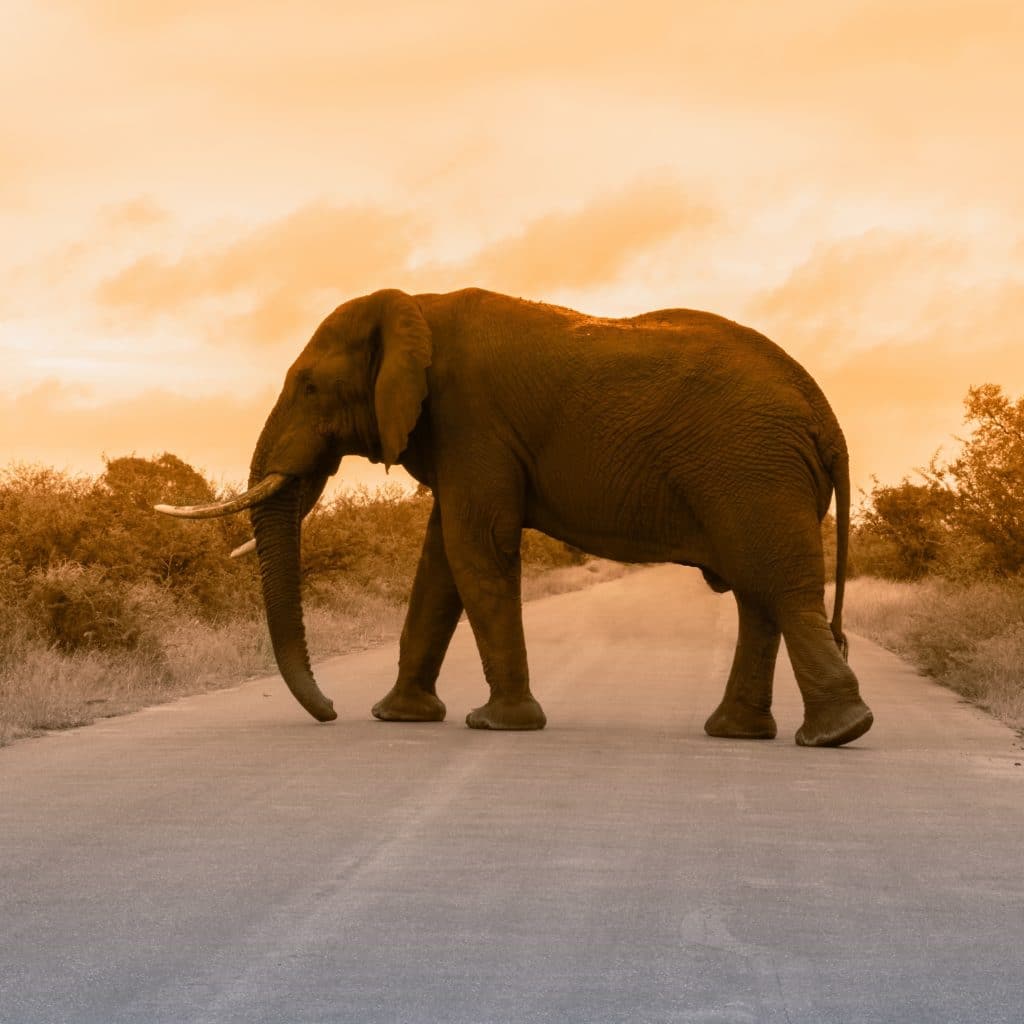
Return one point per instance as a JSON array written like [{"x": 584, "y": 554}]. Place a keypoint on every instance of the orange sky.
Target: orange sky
[{"x": 187, "y": 188}]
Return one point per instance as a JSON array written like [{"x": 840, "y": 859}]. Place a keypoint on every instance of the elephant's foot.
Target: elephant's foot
[
  {"x": 503, "y": 713},
  {"x": 409, "y": 706},
  {"x": 736, "y": 721},
  {"x": 832, "y": 725}
]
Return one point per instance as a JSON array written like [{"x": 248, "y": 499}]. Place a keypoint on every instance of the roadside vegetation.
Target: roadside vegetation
[
  {"x": 106, "y": 606},
  {"x": 939, "y": 561}
]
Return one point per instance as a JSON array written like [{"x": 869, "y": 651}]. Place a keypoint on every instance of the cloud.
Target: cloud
[
  {"x": 146, "y": 15},
  {"x": 896, "y": 327},
  {"x": 226, "y": 94},
  {"x": 271, "y": 282},
  {"x": 41, "y": 276},
  {"x": 793, "y": 52},
  {"x": 875, "y": 32},
  {"x": 137, "y": 214},
  {"x": 277, "y": 281},
  {"x": 588, "y": 246},
  {"x": 860, "y": 292}
]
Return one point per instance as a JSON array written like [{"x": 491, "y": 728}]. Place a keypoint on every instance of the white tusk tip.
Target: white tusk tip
[{"x": 244, "y": 549}]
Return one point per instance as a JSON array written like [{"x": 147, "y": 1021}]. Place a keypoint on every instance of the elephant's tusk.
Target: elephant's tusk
[
  {"x": 244, "y": 549},
  {"x": 269, "y": 485}
]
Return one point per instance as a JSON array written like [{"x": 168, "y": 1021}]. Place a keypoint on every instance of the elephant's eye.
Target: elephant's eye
[{"x": 309, "y": 389}]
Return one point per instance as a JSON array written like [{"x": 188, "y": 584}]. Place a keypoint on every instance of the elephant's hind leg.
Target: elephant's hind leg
[
  {"x": 834, "y": 713},
  {"x": 745, "y": 711},
  {"x": 434, "y": 610}
]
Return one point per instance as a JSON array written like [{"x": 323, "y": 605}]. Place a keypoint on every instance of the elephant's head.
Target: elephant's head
[{"x": 356, "y": 389}]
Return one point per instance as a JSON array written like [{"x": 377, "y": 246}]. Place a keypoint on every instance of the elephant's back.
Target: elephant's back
[
  {"x": 647, "y": 368},
  {"x": 733, "y": 396},
  {"x": 750, "y": 371}
]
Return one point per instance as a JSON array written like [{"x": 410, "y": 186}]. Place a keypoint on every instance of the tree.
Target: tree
[
  {"x": 987, "y": 478},
  {"x": 966, "y": 518},
  {"x": 912, "y": 518},
  {"x": 143, "y": 482},
  {"x": 191, "y": 559}
]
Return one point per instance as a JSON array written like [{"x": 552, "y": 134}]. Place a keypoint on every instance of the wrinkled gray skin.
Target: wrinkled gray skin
[{"x": 675, "y": 436}]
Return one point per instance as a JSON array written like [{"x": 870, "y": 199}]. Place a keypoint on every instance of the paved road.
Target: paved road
[{"x": 225, "y": 859}]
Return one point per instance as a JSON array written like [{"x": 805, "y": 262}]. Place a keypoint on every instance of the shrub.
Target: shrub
[
  {"x": 191, "y": 558},
  {"x": 17, "y": 630},
  {"x": 51, "y": 519},
  {"x": 105, "y": 605},
  {"x": 368, "y": 539},
  {"x": 543, "y": 552},
  {"x": 966, "y": 519},
  {"x": 86, "y": 564},
  {"x": 45, "y": 517},
  {"x": 987, "y": 479},
  {"x": 79, "y": 607},
  {"x": 911, "y": 521}
]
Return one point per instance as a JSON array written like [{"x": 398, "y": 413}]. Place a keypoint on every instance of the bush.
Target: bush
[
  {"x": 369, "y": 539},
  {"x": 543, "y": 552},
  {"x": 87, "y": 564},
  {"x": 79, "y": 607},
  {"x": 46, "y": 518},
  {"x": 108, "y": 523},
  {"x": 911, "y": 521},
  {"x": 966, "y": 519},
  {"x": 105, "y": 605},
  {"x": 987, "y": 480},
  {"x": 188, "y": 557},
  {"x": 17, "y": 630}
]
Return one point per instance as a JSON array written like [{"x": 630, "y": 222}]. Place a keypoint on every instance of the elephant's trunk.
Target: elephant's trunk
[
  {"x": 311, "y": 490},
  {"x": 277, "y": 523}
]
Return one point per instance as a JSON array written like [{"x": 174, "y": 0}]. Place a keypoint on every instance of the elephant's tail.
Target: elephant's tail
[{"x": 841, "y": 484}]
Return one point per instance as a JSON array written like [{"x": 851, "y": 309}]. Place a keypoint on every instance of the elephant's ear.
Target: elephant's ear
[{"x": 402, "y": 378}]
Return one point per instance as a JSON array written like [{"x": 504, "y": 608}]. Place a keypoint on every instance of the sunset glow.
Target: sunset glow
[{"x": 187, "y": 189}]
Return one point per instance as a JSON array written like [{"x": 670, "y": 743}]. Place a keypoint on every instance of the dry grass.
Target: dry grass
[
  {"x": 969, "y": 637},
  {"x": 43, "y": 688}
]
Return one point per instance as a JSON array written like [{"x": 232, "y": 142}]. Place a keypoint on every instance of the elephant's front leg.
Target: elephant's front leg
[
  {"x": 434, "y": 610},
  {"x": 745, "y": 712},
  {"x": 482, "y": 541}
]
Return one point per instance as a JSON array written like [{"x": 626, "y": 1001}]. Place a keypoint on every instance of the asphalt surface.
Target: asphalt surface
[{"x": 226, "y": 859}]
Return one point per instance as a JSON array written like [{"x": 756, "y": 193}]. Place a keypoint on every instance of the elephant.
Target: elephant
[{"x": 673, "y": 436}]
